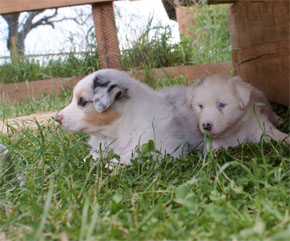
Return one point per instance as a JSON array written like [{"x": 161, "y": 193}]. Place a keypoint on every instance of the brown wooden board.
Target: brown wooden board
[
  {"x": 12, "y": 6},
  {"x": 13, "y": 93},
  {"x": 260, "y": 39},
  {"x": 266, "y": 67},
  {"x": 258, "y": 23}
]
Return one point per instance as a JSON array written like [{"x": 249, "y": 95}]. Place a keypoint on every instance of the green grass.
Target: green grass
[
  {"x": 31, "y": 69},
  {"x": 236, "y": 194},
  {"x": 153, "y": 50},
  {"x": 209, "y": 39},
  {"x": 208, "y": 42}
]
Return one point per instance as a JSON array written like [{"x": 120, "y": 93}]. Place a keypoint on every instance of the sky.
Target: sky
[{"x": 131, "y": 19}]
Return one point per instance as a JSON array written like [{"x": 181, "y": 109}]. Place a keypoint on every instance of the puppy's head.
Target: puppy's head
[
  {"x": 218, "y": 102},
  {"x": 95, "y": 102}
]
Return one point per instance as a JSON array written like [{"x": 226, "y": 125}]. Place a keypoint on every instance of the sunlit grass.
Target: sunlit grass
[{"x": 241, "y": 193}]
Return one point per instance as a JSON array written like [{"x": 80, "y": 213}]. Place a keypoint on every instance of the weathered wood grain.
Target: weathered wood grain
[
  {"x": 260, "y": 36},
  {"x": 12, "y": 6},
  {"x": 13, "y": 93}
]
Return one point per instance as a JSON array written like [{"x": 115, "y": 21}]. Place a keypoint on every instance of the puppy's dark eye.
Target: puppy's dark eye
[
  {"x": 82, "y": 102},
  {"x": 200, "y": 106}
]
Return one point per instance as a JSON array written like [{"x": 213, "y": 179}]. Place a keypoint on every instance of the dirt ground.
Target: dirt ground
[{"x": 26, "y": 121}]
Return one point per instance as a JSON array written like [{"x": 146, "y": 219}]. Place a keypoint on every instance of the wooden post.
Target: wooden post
[
  {"x": 106, "y": 34},
  {"x": 260, "y": 39}
]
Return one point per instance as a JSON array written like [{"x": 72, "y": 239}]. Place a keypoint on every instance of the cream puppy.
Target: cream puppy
[
  {"x": 121, "y": 113},
  {"x": 224, "y": 110}
]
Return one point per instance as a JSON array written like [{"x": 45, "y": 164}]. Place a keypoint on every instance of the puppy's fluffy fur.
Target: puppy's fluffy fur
[
  {"x": 119, "y": 111},
  {"x": 224, "y": 108}
]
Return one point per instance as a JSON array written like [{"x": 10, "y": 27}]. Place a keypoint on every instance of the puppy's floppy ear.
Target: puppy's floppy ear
[
  {"x": 105, "y": 96},
  {"x": 241, "y": 90}
]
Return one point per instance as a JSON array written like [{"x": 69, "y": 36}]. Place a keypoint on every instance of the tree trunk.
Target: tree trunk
[
  {"x": 15, "y": 43},
  {"x": 19, "y": 31}
]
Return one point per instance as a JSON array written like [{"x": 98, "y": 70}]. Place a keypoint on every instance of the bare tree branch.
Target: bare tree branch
[
  {"x": 18, "y": 31},
  {"x": 46, "y": 20}
]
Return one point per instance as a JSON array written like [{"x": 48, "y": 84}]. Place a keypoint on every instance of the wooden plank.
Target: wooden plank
[
  {"x": 13, "y": 93},
  {"x": 258, "y": 23},
  {"x": 12, "y": 6},
  {"x": 260, "y": 36},
  {"x": 267, "y": 68}
]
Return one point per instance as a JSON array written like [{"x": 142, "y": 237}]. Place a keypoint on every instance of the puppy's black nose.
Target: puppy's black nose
[{"x": 207, "y": 126}]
